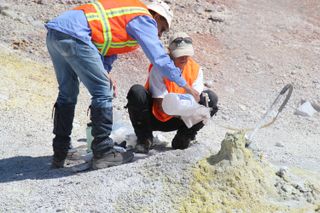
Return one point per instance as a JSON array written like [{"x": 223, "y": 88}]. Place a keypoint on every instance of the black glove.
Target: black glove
[{"x": 214, "y": 110}]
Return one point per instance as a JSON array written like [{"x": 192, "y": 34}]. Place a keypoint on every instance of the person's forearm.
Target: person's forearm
[{"x": 144, "y": 30}]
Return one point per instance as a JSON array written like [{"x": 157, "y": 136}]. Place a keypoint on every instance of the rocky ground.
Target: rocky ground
[{"x": 249, "y": 50}]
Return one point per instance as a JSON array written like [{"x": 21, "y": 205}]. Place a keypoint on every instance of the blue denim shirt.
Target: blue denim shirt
[{"x": 142, "y": 28}]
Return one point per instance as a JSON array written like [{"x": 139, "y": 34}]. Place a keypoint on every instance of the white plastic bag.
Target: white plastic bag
[
  {"x": 184, "y": 105},
  {"x": 201, "y": 114}
]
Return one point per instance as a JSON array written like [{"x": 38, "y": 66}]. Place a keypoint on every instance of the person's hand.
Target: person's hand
[
  {"x": 113, "y": 84},
  {"x": 193, "y": 92}
]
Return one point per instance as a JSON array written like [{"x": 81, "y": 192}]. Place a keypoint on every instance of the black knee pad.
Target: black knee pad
[{"x": 137, "y": 96}]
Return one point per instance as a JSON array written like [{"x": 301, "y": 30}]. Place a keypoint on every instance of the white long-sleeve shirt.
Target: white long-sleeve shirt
[{"x": 158, "y": 88}]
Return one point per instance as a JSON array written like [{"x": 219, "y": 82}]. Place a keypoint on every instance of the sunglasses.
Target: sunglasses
[{"x": 186, "y": 40}]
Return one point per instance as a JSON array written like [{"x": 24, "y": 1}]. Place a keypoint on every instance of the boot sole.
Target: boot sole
[
  {"x": 57, "y": 164},
  {"x": 101, "y": 163},
  {"x": 140, "y": 148}
]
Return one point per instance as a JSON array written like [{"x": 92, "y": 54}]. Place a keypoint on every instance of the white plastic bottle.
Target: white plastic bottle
[{"x": 179, "y": 104}]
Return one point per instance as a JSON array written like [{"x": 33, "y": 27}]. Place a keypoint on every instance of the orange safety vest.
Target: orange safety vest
[
  {"x": 108, "y": 20},
  {"x": 189, "y": 73}
]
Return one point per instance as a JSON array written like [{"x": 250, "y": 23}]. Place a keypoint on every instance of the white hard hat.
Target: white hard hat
[{"x": 162, "y": 9}]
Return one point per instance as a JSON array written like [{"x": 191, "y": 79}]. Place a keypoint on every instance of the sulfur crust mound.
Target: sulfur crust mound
[{"x": 235, "y": 181}]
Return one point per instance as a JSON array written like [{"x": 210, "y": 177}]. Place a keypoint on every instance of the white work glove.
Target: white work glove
[{"x": 202, "y": 113}]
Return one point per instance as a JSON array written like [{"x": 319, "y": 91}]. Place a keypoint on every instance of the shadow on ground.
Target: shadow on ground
[
  {"x": 29, "y": 168},
  {"x": 38, "y": 168}
]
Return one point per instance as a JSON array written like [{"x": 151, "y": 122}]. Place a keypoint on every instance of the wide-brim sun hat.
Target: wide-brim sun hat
[
  {"x": 162, "y": 9},
  {"x": 180, "y": 44}
]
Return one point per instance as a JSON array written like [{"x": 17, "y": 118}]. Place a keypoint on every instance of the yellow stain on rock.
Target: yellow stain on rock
[
  {"x": 26, "y": 84},
  {"x": 235, "y": 181}
]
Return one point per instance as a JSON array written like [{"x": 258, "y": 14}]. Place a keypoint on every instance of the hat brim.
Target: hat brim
[{"x": 182, "y": 51}]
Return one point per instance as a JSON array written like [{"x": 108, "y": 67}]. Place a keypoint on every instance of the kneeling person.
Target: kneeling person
[{"x": 145, "y": 103}]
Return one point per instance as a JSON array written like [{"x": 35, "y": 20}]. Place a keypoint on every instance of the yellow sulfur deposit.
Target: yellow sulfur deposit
[
  {"x": 235, "y": 181},
  {"x": 25, "y": 83}
]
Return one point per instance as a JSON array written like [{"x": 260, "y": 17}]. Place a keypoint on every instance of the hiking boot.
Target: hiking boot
[
  {"x": 57, "y": 164},
  {"x": 58, "y": 158},
  {"x": 181, "y": 141},
  {"x": 113, "y": 158},
  {"x": 143, "y": 146},
  {"x": 184, "y": 136},
  {"x": 62, "y": 127}
]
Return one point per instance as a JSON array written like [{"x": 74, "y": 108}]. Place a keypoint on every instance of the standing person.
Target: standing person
[
  {"x": 145, "y": 103},
  {"x": 83, "y": 43}
]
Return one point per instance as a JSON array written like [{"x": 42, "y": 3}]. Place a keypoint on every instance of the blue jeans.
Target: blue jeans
[{"x": 74, "y": 60}]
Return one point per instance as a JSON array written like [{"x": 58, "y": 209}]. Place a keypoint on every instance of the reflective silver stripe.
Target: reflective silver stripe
[
  {"x": 107, "y": 36},
  {"x": 103, "y": 16},
  {"x": 125, "y": 11},
  {"x": 124, "y": 44}
]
